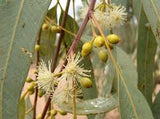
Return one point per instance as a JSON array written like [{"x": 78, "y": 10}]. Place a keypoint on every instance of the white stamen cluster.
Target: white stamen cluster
[
  {"x": 113, "y": 17},
  {"x": 45, "y": 77},
  {"x": 72, "y": 70}
]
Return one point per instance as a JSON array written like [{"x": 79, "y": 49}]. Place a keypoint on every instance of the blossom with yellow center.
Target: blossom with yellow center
[
  {"x": 72, "y": 70},
  {"x": 117, "y": 15},
  {"x": 111, "y": 16},
  {"x": 45, "y": 79}
]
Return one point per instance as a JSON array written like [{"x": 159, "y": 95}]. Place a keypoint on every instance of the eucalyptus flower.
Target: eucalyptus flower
[
  {"x": 73, "y": 70},
  {"x": 108, "y": 15},
  {"x": 117, "y": 15},
  {"x": 45, "y": 78}
]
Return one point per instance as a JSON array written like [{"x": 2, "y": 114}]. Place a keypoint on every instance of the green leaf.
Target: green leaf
[
  {"x": 72, "y": 26},
  {"x": 88, "y": 93},
  {"x": 132, "y": 104},
  {"x": 145, "y": 57},
  {"x": 92, "y": 106},
  {"x": 122, "y": 2},
  {"x": 20, "y": 22},
  {"x": 156, "y": 107},
  {"x": 48, "y": 37},
  {"x": 152, "y": 10},
  {"x": 136, "y": 7},
  {"x": 104, "y": 74},
  {"x": 21, "y": 109}
]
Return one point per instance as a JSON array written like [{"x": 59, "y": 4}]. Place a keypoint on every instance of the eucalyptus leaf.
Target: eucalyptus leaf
[
  {"x": 137, "y": 7},
  {"x": 104, "y": 74},
  {"x": 156, "y": 107},
  {"x": 92, "y": 106},
  {"x": 132, "y": 104},
  {"x": 48, "y": 36},
  {"x": 72, "y": 26},
  {"x": 152, "y": 10},
  {"x": 20, "y": 23},
  {"x": 21, "y": 109},
  {"x": 145, "y": 57}
]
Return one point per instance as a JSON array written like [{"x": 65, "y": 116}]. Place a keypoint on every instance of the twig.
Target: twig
[
  {"x": 77, "y": 38},
  {"x": 79, "y": 34},
  {"x": 61, "y": 28},
  {"x": 37, "y": 63},
  {"x": 55, "y": 57}
]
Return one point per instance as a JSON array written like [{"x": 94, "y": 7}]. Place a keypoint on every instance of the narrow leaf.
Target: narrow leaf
[
  {"x": 104, "y": 74},
  {"x": 152, "y": 10},
  {"x": 20, "y": 23},
  {"x": 136, "y": 7},
  {"x": 72, "y": 26},
  {"x": 132, "y": 104},
  {"x": 145, "y": 57},
  {"x": 48, "y": 36}
]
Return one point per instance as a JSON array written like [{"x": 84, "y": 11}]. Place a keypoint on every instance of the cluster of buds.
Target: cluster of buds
[{"x": 98, "y": 42}]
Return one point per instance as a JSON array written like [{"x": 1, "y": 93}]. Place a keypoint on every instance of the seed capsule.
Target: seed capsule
[
  {"x": 40, "y": 93},
  {"x": 30, "y": 92},
  {"x": 113, "y": 38},
  {"x": 31, "y": 87},
  {"x": 62, "y": 112},
  {"x": 37, "y": 47},
  {"x": 53, "y": 112},
  {"x": 39, "y": 116},
  {"x": 86, "y": 82},
  {"x": 29, "y": 80},
  {"x": 87, "y": 47},
  {"x": 98, "y": 41},
  {"x": 45, "y": 26},
  {"x": 84, "y": 54},
  {"x": 54, "y": 28},
  {"x": 103, "y": 56}
]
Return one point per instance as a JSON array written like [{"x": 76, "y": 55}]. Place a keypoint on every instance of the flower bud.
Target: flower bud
[
  {"x": 103, "y": 56},
  {"x": 40, "y": 93},
  {"x": 53, "y": 112},
  {"x": 37, "y": 47},
  {"x": 29, "y": 80},
  {"x": 45, "y": 26},
  {"x": 113, "y": 38},
  {"x": 86, "y": 82},
  {"x": 87, "y": 47},
  {"x": 98, "y": 41},
  {"x": 62, "y": 112},
  {"x": 83, "y": 54}
]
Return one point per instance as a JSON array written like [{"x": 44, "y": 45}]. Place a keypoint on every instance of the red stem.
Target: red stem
[
  {"x": 79, "y": 34},
  {"x": 77, "y": 38},
  {"x": 56, "y": 52}
]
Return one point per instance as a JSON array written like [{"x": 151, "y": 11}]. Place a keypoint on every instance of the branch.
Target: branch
[
  {"x": 79, "y": 34},
  {"x": 55, "y": 57},
  {"x": 77, "y": 38}
]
